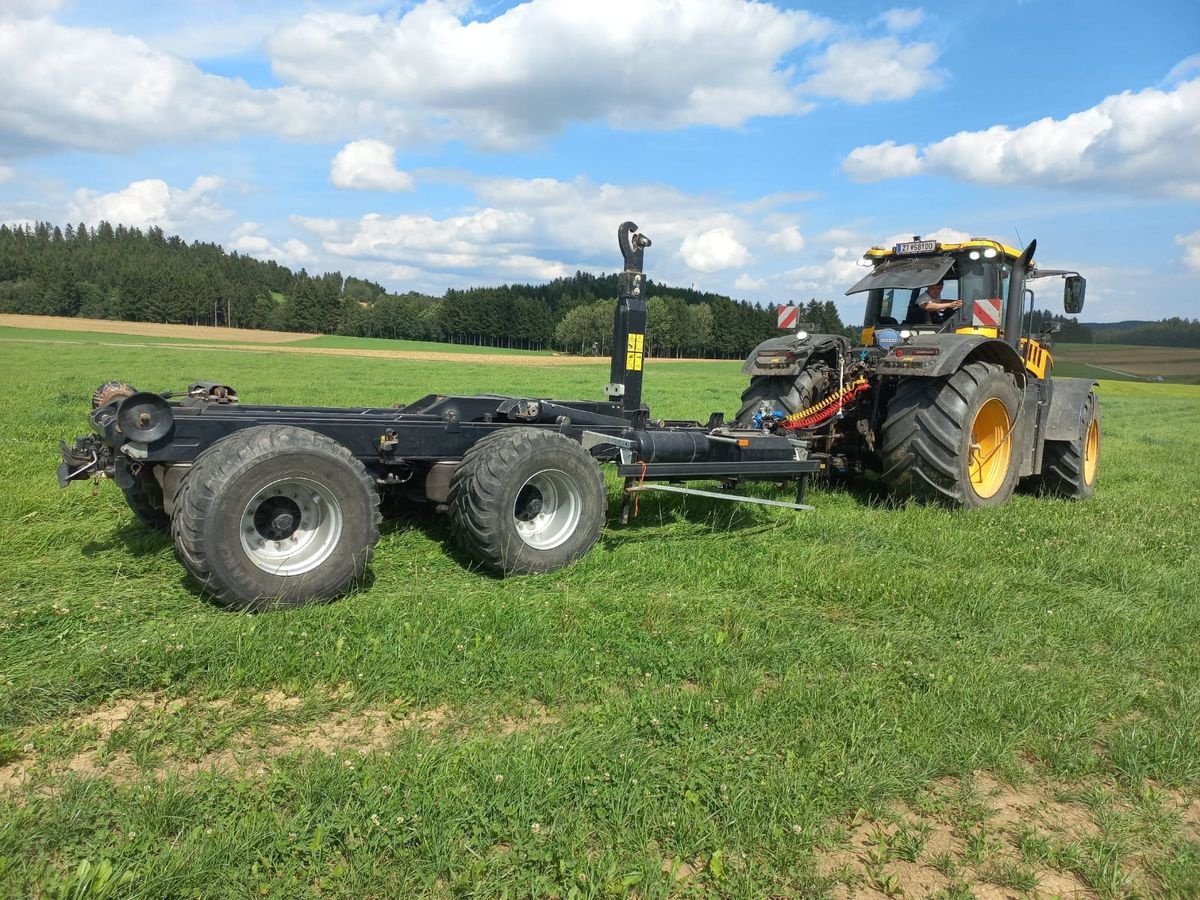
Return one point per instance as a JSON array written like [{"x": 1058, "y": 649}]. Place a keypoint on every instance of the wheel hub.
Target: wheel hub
[
  {"x": 291, "y": 526},
  {"x": 529, "y": 503},
  {"x": 277, "y": 518},
  {"x": 547, "y": 509}
]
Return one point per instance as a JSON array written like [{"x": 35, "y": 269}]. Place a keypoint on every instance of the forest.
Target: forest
[{"x": 124, "y": 273}]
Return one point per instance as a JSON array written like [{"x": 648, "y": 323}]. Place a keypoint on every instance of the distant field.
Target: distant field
[
  {"x": 141, "y": 335},
  {"x": 355, "y": 343},
  {"x": 1175, "y": 364},
  {"x": 719, "y": 700}
]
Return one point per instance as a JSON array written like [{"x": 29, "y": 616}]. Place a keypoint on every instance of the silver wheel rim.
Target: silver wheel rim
[
  {"x": 291, "y": 526},
  {"x": 547, "y": 509}
]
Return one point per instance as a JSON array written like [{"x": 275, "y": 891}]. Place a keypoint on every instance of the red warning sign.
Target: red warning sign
[
  {"x": 986, "y": 313},
  {"x": 788, "y": 316}
]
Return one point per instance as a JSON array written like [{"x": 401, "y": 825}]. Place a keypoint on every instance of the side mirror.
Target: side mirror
[{"x": 1073, "y": 290}]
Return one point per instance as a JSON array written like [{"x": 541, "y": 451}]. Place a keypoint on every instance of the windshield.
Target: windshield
[{"x": 963, "y": 278}]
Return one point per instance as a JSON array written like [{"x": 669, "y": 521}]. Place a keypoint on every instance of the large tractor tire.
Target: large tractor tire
[
  {"x": 954, "y": 440},
  {"x": 526, "y": 500},
  {"x": 1069, "y": 468},
  {"x": 786, "y": 394},
  {"x": 145, "y": 498},
  {"x": 276, "y": 516}
]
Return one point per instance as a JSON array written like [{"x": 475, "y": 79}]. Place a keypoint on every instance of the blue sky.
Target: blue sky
[{"x": 763, "y": 146}]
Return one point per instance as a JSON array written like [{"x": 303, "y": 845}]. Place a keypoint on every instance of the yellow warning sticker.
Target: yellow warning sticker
[{"x": 633, "y": 352}]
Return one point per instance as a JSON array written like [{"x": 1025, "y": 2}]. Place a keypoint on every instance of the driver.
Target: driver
[{"x": 934, "y": 306}]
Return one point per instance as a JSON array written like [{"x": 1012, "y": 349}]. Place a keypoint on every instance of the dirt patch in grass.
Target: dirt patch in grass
[
  {"x": 987, "y": 837},
  {"x": 154, "y": 329},
  {"x": 250, "y": 751}
]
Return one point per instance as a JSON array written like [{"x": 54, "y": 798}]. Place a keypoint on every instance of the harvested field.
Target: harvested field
[{"x": 154, "y": 329}]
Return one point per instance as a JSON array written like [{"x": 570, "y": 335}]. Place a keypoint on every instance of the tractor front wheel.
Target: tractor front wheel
[
  {"x": 954, "y": 440},
  {"x": 1069, "y": 468},
  {"x": 276, "y": 516},
  {"x": 526, "y": 500}
]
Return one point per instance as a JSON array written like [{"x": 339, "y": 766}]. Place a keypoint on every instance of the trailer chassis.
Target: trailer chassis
[{"x": 279, "y": 505}]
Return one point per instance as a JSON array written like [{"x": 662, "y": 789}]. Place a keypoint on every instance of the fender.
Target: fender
[
  {"x": 788, "y": 354},
  {"x": 954, "y": 351},
  {"x": 1064, "y": 418}
]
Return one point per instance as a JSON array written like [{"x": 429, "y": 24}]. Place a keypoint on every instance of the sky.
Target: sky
[{"x": 762, "y": 146}]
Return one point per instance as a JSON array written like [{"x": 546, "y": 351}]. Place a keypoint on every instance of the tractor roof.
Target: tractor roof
[{"x": 910, "y": 248}]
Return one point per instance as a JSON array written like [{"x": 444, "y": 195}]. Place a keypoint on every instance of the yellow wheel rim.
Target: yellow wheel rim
[
  {"x": 991, "y": 448},
  {"x": 1091, "y": 451}
]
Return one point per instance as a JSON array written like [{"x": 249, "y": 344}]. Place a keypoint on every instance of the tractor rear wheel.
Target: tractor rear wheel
[
  {"x": 786, "y": 394},
  {"x": 276, "y": 516},
  {"x": 953, "y": 440},
  {"x": 526, "y": 500},
  {"x": 1069, "y": 468}
]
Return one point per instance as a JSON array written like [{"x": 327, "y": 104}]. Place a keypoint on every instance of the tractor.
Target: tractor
[{"x": 952, "y": 402}]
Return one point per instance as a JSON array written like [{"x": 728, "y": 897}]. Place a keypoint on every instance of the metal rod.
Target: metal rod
[{"x": 675, "y": 489}]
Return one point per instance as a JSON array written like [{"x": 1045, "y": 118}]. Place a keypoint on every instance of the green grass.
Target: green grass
[{"x": 713, "y": 691}]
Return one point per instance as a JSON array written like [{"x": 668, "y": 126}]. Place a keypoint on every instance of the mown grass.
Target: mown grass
[{"x": 695, "y": 706}]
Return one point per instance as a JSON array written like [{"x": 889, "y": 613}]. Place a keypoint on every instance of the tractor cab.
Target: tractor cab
[{"x": 978, "y": 272}]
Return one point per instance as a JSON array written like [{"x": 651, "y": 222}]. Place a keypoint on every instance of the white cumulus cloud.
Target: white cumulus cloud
[
  {"x": 713, "y": 250},
  {"x": 528, "y": 229},
  {"x": 247, "y": 240},
  {"x": 91, "y": 89},
  {"x": 1144, "y": 141},
  {"x": 866, "y": 71},
  {"x": 880, "y": 161},
  {"x": 6, "y": 173},
  {"x": 150, "y": 202},
  {"x": 786, "y": 240},
  {"x": 652, "y": 63},
  {"x": 1191, "y": 249},
  {"x": 368, "y": 165}
]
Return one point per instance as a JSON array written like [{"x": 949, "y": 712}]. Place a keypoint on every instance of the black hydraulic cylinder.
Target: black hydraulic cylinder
[{"x": 629, "y": 323}]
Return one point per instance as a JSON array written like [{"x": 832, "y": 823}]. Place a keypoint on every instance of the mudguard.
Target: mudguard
[
  {"x": 1064, "y": 418},
  {"x": 788, "y": 354}
]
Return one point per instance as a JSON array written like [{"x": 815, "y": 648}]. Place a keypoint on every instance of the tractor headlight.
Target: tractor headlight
[
  {"x": 905, "y": 334},
  {"x": 802, "y": 335}
]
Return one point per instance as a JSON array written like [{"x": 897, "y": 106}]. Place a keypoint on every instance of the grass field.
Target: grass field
[
  {"x": 723, "y": 700},
  {"x": 1127, "y": 362}
]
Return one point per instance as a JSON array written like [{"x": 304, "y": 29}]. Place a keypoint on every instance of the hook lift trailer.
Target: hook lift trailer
[{"x": 272, "y": 506}]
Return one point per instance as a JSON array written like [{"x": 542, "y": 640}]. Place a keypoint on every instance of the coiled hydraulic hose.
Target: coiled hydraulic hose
[{"x": 826, "y": 408}]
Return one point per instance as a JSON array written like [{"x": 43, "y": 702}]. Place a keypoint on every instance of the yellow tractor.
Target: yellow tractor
[{"x": 950, "y": 396}]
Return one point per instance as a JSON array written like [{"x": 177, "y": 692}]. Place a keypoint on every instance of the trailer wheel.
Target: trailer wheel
[
  {"x": 953, "y": 440},
  {"x": 525, "y": 500},
  {"x": 276, "y": 516},
  {"x": 1069, "y": 468},
  {"x": 786, "y": 394},
  {"x": 145, "y": 498}
]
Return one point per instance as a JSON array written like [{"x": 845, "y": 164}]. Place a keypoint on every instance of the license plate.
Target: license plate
[{"x": 917, "y": 247}]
